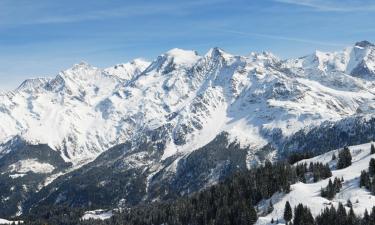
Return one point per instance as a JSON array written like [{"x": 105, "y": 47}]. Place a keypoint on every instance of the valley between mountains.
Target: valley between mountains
[{"x": 144, "y": 132}]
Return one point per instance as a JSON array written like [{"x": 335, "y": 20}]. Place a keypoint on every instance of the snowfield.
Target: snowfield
[
  {"x": 24, "y": 166},
  {"x": 97, "y": 215},
  {"x": 309, "y": 194},
  {"x": 3, "y": 221}
]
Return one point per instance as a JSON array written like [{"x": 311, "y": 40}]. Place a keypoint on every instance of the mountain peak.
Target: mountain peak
[
  {"x": 80, "y": 71},
  {"x": 263, "y": 56},
  {"x": 139, "y": 61},
  {"x": 216, "y": 52},
  {"x": 364, "y": 44},
  {"x": 81, "y": 65},
  {"x": 174, "y": 58},
  {"x": 181, "y": 56}
]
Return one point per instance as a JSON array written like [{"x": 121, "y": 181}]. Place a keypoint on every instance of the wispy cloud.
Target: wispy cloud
[
  {"x": 334, "y": 5},
  {"x": 280, "y": 37},
  {"x": 37, "y": 15}
]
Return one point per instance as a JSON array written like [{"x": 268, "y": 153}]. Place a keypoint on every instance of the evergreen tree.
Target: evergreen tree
[
  {"x": 366, "y": 218},
  {"x": 337, "y": 185},
  {"x": 270, "y": 207},
  {"x": 352, "y": 219},
  {"x": 320, "y": 171},
  {"x": 302, "y": 216},
  {"x": 364, "y": 180},
  {"x": 301, "y": 170},
  {"x": 341, "y": 217},
  {"x": 349, "y": 203},
  {"x": 253, "y": 217},
  {"x": 332, "y": 188},
  {"x": 345, "y": 158},
  {"x": 372, "y": 216},
  {"x": 371, "y": 168},
  {"x": 372, "y": 149},
  {"x": 367, "y": 179},
  {"x": 288, "y": 213}
]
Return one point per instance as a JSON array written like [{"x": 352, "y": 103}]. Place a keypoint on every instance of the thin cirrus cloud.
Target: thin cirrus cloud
[
  {"x": 37, "y": 15},
  {"x": 334, "y": 5},
  {"x": 280, "y": 37}
]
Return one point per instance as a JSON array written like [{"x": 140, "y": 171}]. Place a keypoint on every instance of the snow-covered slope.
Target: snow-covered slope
[
  {"x": 97, "y": 215},
  {"x": 183, "y": 100},
  {"x": 357, "y": 61},
  {"x": 3, "y": 221},
  {"x": 309, "y": 194},
  {"x": 33, "y": 165},
  {"x": 128, "y": 71}
]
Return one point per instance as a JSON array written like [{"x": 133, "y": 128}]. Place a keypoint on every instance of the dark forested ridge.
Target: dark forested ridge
[
  {"x": 229, "y": 202},
  {"x": 331, "y": 135},
  {"x": 232, "y": 201},
  {"x": 14, "y": 188},
  {"x": 108, "y": 181}
]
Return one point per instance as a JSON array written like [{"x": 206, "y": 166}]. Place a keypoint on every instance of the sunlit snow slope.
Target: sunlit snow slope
[{"x": 310, "y": 194}]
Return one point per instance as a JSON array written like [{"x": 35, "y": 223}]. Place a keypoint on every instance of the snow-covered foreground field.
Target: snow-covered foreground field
[{"x": 309, "y": 194}]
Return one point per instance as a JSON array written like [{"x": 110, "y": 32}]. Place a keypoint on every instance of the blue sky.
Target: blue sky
[{"x": 42, "y": 37}]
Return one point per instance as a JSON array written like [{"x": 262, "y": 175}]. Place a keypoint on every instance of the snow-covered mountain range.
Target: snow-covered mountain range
[
  {"x": 178, "y": 103},
  {"x": 85, "y": 110}
]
